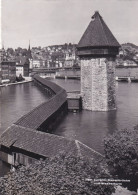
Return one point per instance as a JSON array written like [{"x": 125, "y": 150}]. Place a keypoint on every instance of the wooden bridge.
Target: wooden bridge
[
  {"x": 28, "y": 139},
  {"x": 44, "y": 117}
]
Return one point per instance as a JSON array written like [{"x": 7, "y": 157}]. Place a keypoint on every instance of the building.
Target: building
[
  {"x": 23, "y": 146},
  {"x": 7, "y": 68},
  {"x": 19, "y": 70},
  {"x": 38, "y": 63},
  {"x": 97, "y": 50},
  {"x": 8, "y": 71},
  {"x": 22, "y": 66},
  {"x": 70, "y": 58}
]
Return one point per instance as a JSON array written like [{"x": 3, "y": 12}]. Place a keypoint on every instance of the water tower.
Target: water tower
[{"x": 97, "y": 51}]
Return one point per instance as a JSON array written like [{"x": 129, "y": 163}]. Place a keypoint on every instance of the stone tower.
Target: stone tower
[{"x": 97, "y": 51}]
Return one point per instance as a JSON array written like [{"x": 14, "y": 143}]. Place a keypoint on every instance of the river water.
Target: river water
[
  {"x": 86, "y": 126},
  {"x": 15, "y": 101},
  {"x": 91, "y": 127}
]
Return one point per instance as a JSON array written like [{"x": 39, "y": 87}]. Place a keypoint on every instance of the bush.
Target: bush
[
  {"x": 20, "y": 78},
  {"x": 121, "y": 151},
  {"x": 60, "y": 175}
]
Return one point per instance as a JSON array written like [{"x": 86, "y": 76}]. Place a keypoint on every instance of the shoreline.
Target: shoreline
[{"x": 22, "y": 82}]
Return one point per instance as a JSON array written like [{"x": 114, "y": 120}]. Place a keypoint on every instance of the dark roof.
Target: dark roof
[
  {"x": 22, "y": 60},
  {"x": 97, "y": 34},
  {"x": 42, "y": 112},
  {"x": 53, "y": 86},
  {"x": 44, "y": 144}
]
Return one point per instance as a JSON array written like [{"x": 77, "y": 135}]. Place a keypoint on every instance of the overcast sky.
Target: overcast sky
[{"x": 48, "y": 22}]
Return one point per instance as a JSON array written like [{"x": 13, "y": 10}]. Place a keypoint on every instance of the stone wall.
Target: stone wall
[{"x": 98, "y": 83}]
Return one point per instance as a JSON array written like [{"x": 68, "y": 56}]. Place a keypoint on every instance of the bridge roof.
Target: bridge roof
[
  {"x": 97, "y": 34},
  {"x": 53, "y": 86},
  {"x": 41, "y": 113},
  {"x": 44, "y": 144}
]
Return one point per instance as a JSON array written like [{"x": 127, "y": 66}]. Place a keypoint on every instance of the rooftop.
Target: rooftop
[
  {"x": 97, "y": 34},
  {"x": 22, "y": 60},
  {"x": 41, "y": 113},
  {"x": 44, "y": 144}
]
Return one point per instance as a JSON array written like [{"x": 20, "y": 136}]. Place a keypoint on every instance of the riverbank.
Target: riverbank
[{"x": 27, "y": 80}]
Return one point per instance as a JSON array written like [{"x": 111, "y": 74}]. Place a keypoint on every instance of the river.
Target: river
[
  {"x": 86, "y": 126},
  {"x": 15, "y": 101},
  {"x": 91, "y": 127}
]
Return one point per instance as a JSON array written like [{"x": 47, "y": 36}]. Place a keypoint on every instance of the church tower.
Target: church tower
[
  {"x": 97, "y": 51},
  {"x": 29, "y": 54}
]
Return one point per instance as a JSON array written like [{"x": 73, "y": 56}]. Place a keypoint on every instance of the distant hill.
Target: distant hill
[
  {"x": 130, "y": 45},
  {"x": 130, "y": 52}
]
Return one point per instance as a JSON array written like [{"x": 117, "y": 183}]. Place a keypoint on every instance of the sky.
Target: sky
[{"x": 51, "y": 22}]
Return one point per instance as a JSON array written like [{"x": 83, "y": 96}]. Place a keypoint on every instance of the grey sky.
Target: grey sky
[{"x": 48, "y": 22}]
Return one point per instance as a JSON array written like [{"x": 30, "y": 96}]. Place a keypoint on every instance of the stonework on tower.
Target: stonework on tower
[{"x": 97, "y": 50}]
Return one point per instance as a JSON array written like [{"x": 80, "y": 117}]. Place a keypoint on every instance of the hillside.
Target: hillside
[{"x": 128, "y": 54}]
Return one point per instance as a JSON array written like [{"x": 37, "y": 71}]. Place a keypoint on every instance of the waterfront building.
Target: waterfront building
[
  {"x": 22, "y": 66},
  {"x": 19, "y": 70},
  {"x": 7, "y": 68},
  {"x": 97, "y": 50},
  {"x": 8, "y": 71}
]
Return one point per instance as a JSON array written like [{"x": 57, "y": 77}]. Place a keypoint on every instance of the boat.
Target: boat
[
  {"x": 122, "y": 79},
  {"x": 134, "y": 80}
]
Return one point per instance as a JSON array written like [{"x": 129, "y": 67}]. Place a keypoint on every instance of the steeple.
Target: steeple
[
  {"x": 3, "y": 46},
  {"x": 29, "y": 46},
  {"x": 29, "y": 55}
]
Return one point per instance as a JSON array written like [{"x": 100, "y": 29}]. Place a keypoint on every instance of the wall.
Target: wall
[
  {"x": 127, "y": 71},
  {"x": 98, "y": 83}
]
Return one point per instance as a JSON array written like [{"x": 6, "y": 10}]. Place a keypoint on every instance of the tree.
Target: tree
[
  {"x": 61, "y": 175},
  {"x": 121, "y": 151}
]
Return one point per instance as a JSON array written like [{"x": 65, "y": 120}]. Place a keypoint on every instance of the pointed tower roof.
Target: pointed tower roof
[
  {"x": 29, "y": 46},
  {"x": 29, "y": 54},
  {"x": 98, "y": 34}
]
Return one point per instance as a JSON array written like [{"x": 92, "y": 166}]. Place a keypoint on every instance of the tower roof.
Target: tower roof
[
  {"x": 98, "y": 34},
  {"x": 29, "y": 54}
]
